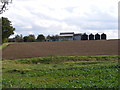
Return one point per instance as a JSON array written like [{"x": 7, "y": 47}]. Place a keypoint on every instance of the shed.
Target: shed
[
  {"x": 91, "y": 37},
  {"x": 97, "y": 36},
  {"x": 84, "y": 37},
  {"x": 103, "y": 36}
]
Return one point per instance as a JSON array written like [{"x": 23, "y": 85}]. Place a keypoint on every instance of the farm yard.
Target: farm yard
[{"x": 66, "y": 64}]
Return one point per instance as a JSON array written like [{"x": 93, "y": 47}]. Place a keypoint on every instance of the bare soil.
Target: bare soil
[{"x": 62, "y": 48}]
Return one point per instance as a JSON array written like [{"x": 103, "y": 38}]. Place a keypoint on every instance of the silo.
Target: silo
[
  {"x": 91, "y": 37},
  {"x": 103, "y": 36},
  {"x": 84, "y": 37},
  {"x": 97, "y": 36}
]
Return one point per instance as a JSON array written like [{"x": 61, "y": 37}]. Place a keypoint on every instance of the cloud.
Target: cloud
[
  {"x": 28, "y": 27},
  {"x": 55, "y": 16},
  {"x": 95, "y": 20}
]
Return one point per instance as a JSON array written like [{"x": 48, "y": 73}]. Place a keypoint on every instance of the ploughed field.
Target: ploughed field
[{"x": 62, "y": 48}]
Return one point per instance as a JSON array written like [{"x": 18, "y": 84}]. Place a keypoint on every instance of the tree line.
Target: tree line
[
  {"x": 8, "y": 30},
  {"x": 31, "y": 38}
]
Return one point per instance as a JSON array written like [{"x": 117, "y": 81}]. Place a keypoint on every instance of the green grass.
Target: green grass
[
  {"x": 61, "y": 59},
  {"x": 4, "y": 45},
  {"x": 61, "y": 72}
]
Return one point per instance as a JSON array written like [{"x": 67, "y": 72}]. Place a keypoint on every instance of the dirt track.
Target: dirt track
[{"x": 65, "y": 48}]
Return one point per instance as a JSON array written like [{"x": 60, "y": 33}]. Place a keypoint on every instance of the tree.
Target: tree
[
  {"x": 7, "y": 29},
  {"x": 49, "y": 38},
  {"x": 25, "y": 38},
  {"x": 41, "y": 38},
  {"x": 53, "y": 38},
  {"x": 19, "y": 38},
  {"x": 30, "y": 38},
  {"x": 3, "y": 5},
  {"x": 56, "y": 37}
]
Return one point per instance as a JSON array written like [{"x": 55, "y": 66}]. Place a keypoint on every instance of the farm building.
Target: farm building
[
  {"x": 84, "y": 37},
  {"x": 69, "y": 36},
  {"x": 97, "y": 36},
  {"x": 72, "y": 36},
  {"x": 103, "y": 36},
  {"x": 91, "y": 37},
  {"x": 66, "y": 36}
]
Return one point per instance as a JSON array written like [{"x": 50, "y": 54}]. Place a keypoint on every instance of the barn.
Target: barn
[
  {"x": 91, "y": 37},
  {"x": 84, "y": 37},
  {"x": 103, "y": 36},
  {"x": 66, "y": 36},
  {"x": 97, "y": 36},
  {"x": 69, "y": 36}
]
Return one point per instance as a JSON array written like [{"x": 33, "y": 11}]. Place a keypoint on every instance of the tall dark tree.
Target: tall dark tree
[
  {"x": 7, "y": 29},
  {"x": 40, "y": 38}
]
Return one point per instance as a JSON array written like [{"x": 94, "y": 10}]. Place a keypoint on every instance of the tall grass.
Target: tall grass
[{"x": 60, "y": 59}]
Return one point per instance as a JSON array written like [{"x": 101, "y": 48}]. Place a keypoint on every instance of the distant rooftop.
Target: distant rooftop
[
  {"x": 66, "y": 33},
  {"x": 69, "y": 34}
]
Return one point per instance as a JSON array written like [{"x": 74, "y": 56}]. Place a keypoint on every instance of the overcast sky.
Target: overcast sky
[{"x": 50, "y": 17}]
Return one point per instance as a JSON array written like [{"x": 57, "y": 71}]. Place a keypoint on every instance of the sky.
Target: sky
[{"x": 50, "y": 17}]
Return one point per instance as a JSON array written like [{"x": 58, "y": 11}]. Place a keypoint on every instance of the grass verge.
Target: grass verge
[{"x": 4, "y": 45}]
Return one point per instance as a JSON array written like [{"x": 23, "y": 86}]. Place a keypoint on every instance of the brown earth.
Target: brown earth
[{"x": 63, "y": 48}]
